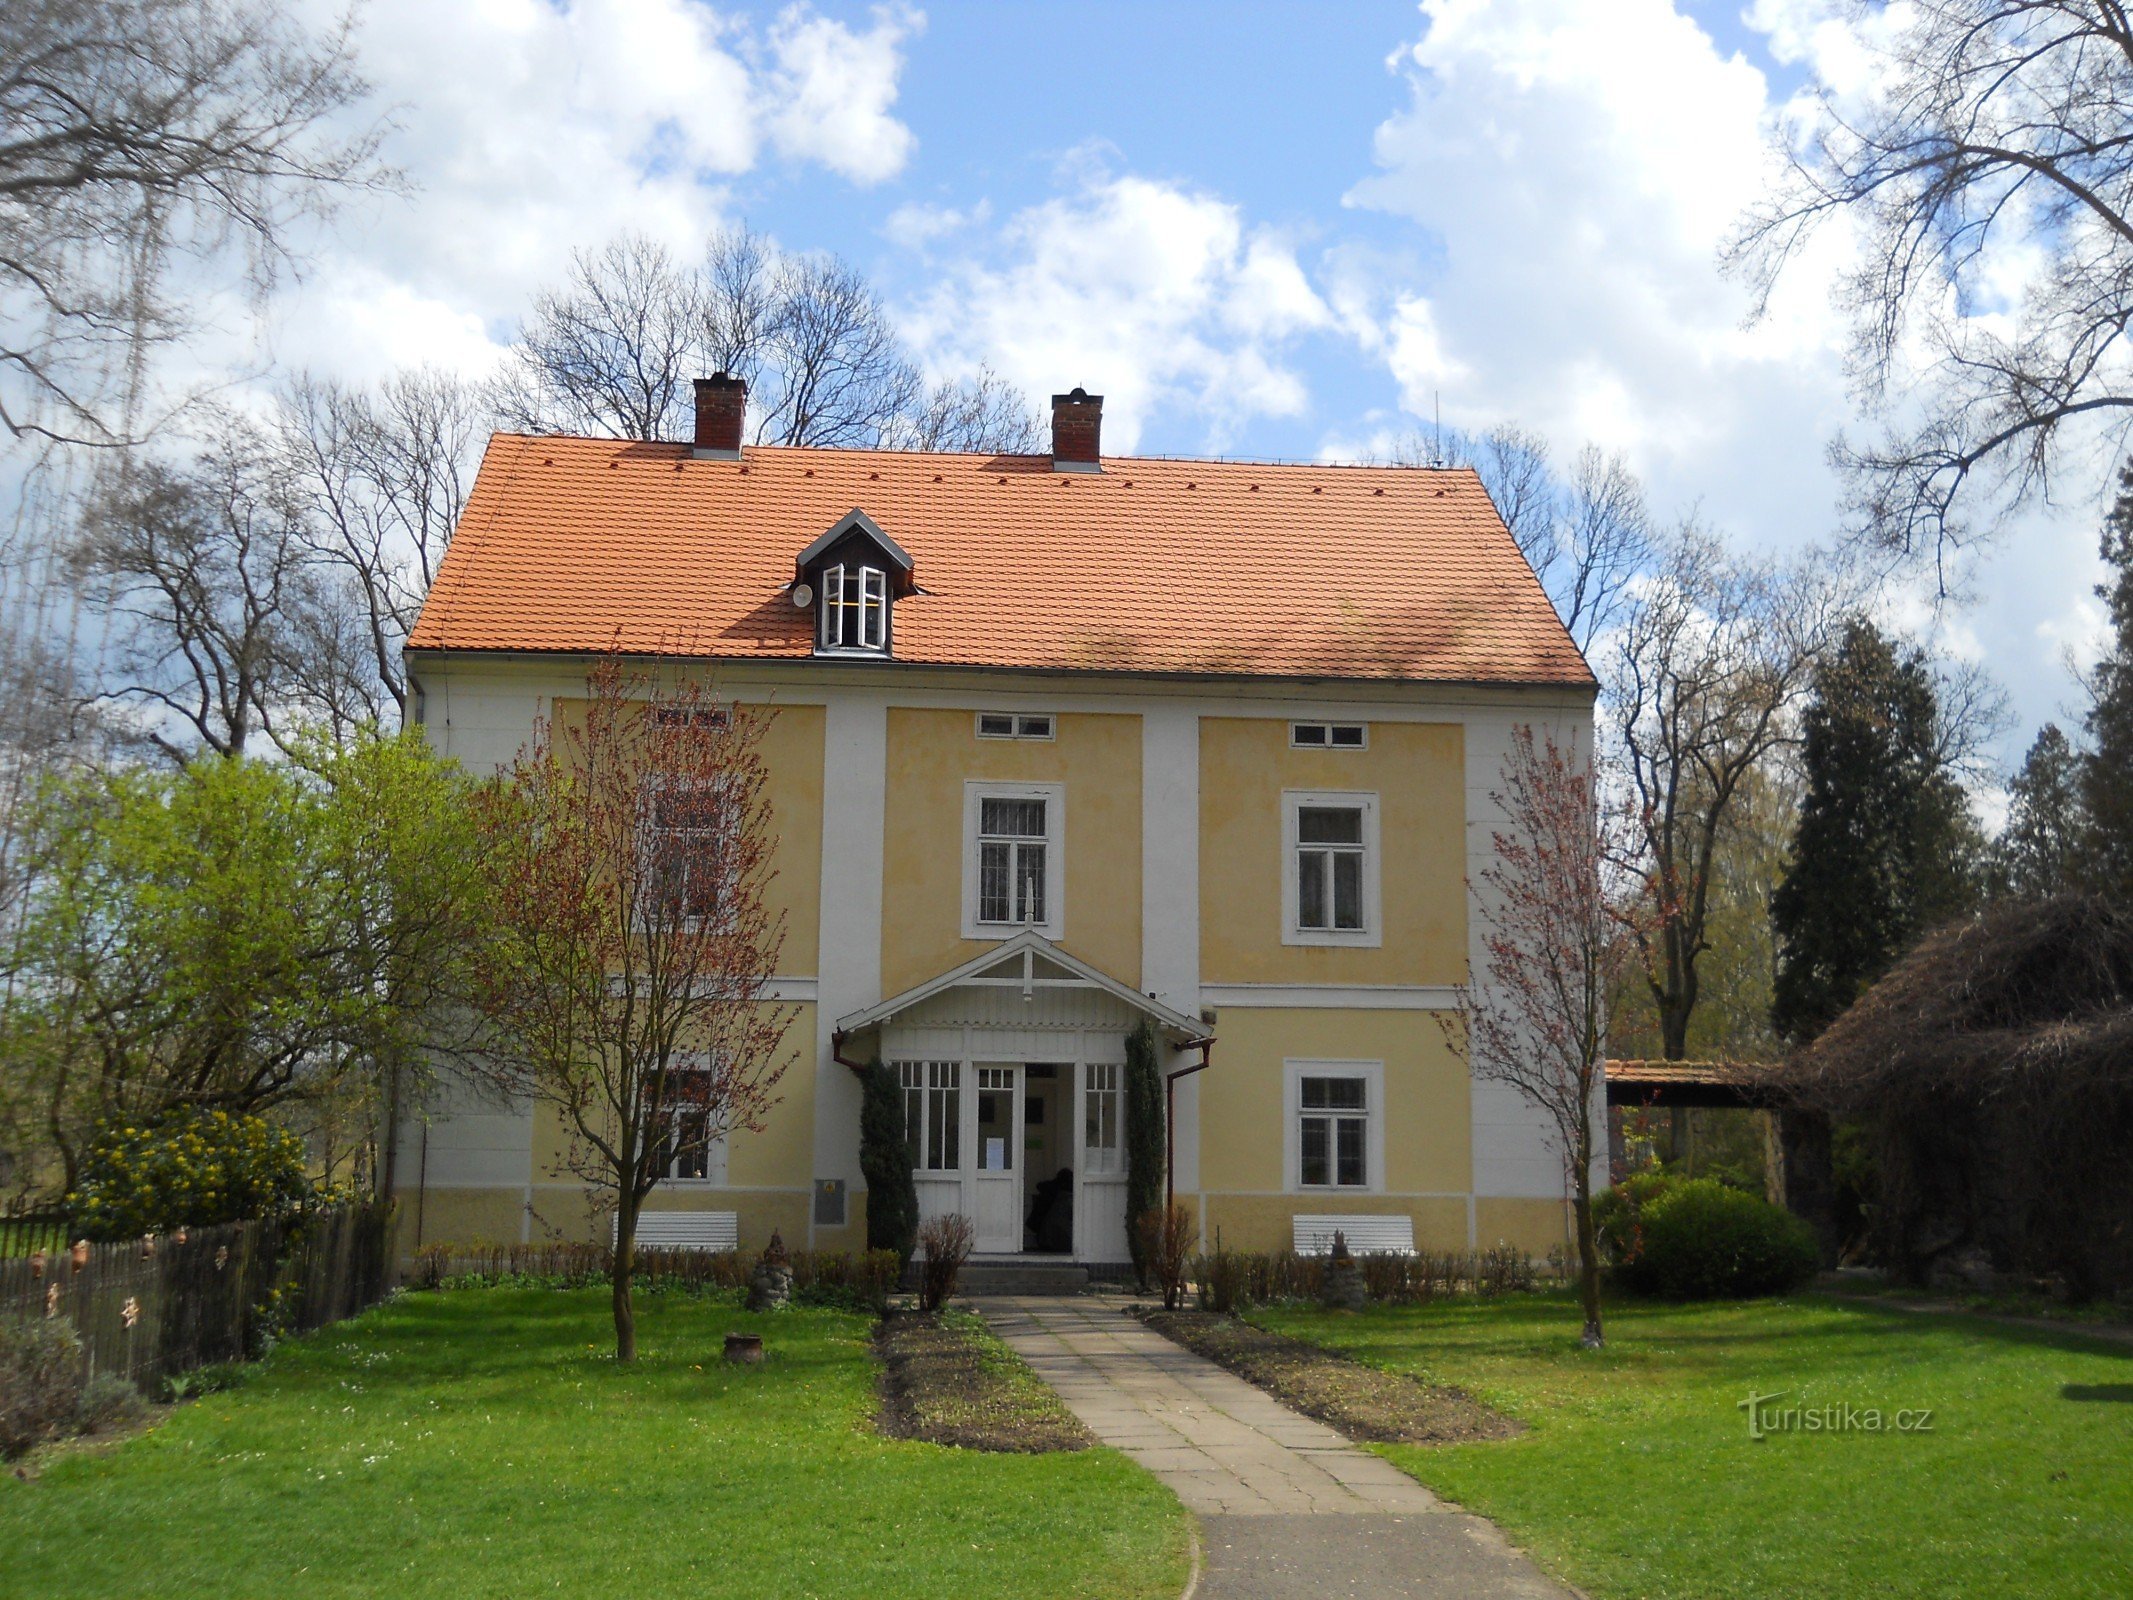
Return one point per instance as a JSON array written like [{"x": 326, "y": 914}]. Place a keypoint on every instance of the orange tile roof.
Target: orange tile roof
[{"x": 1152, "y": 565}]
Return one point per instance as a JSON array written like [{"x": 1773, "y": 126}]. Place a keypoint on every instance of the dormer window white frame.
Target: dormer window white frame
[
  {"x": 853, "y": 610},
  {"x": 853, "y": 576}
]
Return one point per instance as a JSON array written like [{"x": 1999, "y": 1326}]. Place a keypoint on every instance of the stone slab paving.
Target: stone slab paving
[{"x": 1287, "y": 1506}]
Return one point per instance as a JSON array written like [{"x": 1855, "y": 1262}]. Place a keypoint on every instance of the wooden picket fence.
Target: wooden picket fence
[{"x": 148, "y": 1309}]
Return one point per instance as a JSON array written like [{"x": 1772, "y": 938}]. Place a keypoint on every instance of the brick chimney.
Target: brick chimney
[
  {"x": 1077, "y": 431},
  {"x": 721, "y": 409}
]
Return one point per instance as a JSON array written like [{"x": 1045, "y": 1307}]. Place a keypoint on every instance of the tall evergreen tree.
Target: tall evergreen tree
[
  {"x": 2041, "y": 850},
  {"x": 1885, "y": 843},
  {"x": 2107, "y": 769}
]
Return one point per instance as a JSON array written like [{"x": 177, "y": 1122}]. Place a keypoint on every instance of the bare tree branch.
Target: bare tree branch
[
  {"x": 134, "y": 135},
  {"x": 1988, "y": 177}
]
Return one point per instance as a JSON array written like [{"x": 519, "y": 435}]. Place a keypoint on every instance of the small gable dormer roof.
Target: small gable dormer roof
[{"x": 856, "y": 525}]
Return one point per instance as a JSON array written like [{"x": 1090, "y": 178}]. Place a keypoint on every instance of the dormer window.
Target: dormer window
[
  {"x": 853, "y": 576},
  {"x": 854, "y": 608}
]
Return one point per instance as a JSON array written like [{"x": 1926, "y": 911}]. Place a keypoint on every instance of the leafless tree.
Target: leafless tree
[
  {"x": 386, "y": 474},
  {"x": 837, "y": 372},
  {"x": 1704, "y": 678},
  {"x": 981, "y": 413},
  {"x": 1586, "y": 536},
  {"x": 223, "y": 626},
  {"x": 136, "y": 135},
  {"x": 1535, "y": 1018},
  {"x": 1988, "y": 165},
  {"x": 612, "y": 352}
]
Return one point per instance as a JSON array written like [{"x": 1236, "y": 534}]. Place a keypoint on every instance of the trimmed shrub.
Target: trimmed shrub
[
  {"x": 946, "y": 1241},
  {"x": 188, "y": 1169},
  {"x": 885, "y": 1163},
  {"x": 1702, "y": 1240},
  {"x": 40, "y": 1381},
  {"x": 1618, "y": 1212},
  {"x": 1145, "y": 1153}
]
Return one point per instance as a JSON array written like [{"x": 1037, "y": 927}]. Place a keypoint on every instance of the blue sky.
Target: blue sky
[{"x": 1274, "y": 229}]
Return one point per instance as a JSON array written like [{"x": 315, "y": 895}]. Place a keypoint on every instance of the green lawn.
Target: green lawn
[
  {"x": 483, "y": 1442},
  {"x": 1638, "y": 1477}
]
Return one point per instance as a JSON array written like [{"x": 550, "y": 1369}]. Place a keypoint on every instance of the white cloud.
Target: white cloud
[
  {"x": 916, "y": 225},
  {"x": 533, "y": 127},
  {"x": 1157, "y": 295},
  {"x": 833, "y": 88},
  {"x": 1581, "y": 166}
]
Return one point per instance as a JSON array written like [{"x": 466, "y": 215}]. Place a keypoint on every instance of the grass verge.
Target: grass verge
[
  {"x": 484, "y": 1443},
  {"x": 1362, "y": 1401},
  {"x": 948, "y": 1379},
  {"x": 1638, "y": 1476}
]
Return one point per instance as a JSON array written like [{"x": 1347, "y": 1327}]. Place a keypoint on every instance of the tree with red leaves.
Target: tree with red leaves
[
  {"x": 1536, "y": 1016},
  {"x": 627, "y": 985}
]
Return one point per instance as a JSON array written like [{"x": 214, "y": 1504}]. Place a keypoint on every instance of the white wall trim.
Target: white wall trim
[
  {"x": 855, "y": 782},
  {"x": 1333, "y": 996}
]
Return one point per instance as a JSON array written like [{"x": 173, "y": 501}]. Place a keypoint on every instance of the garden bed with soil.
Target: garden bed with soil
[
  {"x": 1365, "y": 1403},
  {"x": 946, "y": 1378}
]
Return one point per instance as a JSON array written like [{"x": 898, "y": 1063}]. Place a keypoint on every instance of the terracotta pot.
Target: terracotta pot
[{"x": 745, "y": 1348}]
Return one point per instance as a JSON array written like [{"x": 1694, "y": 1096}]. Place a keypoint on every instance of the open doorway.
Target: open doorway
[{"x": 1047, "y": 1167}]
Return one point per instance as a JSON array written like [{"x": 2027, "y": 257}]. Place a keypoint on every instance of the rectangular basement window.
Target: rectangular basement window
[
  {"x": 1013, "y": 725},
  {"x": 1329, "y": 735}
]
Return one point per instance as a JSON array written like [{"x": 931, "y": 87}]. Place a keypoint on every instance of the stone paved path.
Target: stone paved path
[{"x": 1287, "y": 1506}]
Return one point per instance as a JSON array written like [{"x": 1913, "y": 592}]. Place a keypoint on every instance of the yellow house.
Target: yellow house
[{"x": 1058, "y": 743}]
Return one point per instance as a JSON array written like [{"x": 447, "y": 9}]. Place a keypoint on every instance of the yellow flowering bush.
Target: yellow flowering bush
[{"x": 189, "y": 1168}]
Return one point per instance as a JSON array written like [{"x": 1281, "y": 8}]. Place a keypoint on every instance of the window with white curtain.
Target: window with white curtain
[
  {"x": 1330, "y": 875},
  {"x": 1013, "y": 874}
]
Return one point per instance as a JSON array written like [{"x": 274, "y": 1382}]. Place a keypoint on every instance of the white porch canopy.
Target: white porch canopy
[{"x": 1031, "y": 963}]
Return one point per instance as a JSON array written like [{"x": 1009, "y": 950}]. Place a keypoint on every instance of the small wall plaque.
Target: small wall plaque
[{"x": 829, "y": 1202}]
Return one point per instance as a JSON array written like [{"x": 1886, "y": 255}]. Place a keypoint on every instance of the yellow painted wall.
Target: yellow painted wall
[
  {"x": 778, "y": 1156},
  {"x": 932, "y": 754},
  {"x": 792, "y": 756},
  {"x": 1418, "y": 772},
  {"x": 1257, "y": 1222},
  {"x": 1427, "y": 1110},
  {"x": 1531, "y": 1225}
]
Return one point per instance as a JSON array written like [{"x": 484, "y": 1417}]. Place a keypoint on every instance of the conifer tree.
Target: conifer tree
[
  {"x": 2041, "y": 850},
  {"x": 2107, "y": 769},
  {"x": 1885, "y": 843},
  {"x": 885, "y": 1162}
]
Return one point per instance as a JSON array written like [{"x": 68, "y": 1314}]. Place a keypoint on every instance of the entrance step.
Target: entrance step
[{"x": 1024, "y": 1276}]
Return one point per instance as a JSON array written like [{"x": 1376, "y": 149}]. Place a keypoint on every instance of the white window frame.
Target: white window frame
[
  {"x": 933, "y": 1081},
  {"x": 715, "y": 1150},
  {"x": 723, "y": 906},
  {"x": 1296, "y": 742},
  {"x": 976, "y": 791},
  {"x": 1372, "y": 933},
  {"x": 1016, "y": 722},
  {"x": 1103, "y": 1089},
  {"x": 873, "y": 591},
  {"x": 1372, "y": 1073}
]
